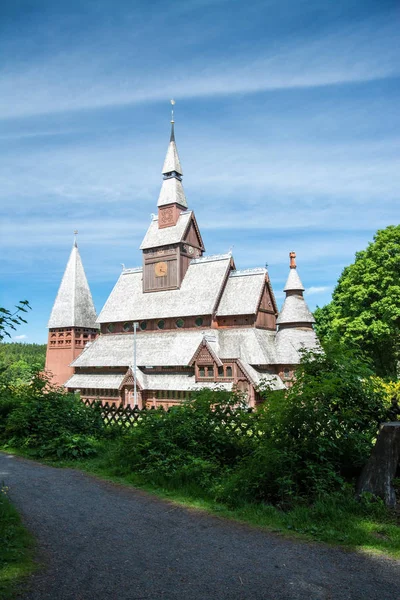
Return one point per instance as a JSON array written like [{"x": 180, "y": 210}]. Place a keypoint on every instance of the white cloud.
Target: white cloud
[
  {"x": 89, "y": 78},
  {"x": 317, "y": 289},
  {"x": 18, "y": 338}
]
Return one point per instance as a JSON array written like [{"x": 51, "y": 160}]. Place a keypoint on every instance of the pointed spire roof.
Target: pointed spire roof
[
  {"x": 172, "y": 162},
  {"x": 294, "y": 310},
  {"x": 172, "y": 193},
  {"x": 73, "y": 306}
]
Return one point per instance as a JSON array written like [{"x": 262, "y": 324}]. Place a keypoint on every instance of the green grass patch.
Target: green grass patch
[
  {"x": 16, "y": 549},
  {"x": 338, "y": 519}
]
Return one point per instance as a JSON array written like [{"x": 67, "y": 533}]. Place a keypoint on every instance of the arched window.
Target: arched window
[{"x": 228, "y": 371}]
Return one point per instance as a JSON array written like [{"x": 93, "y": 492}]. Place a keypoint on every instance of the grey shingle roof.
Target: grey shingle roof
[
  {"x": 242, "y": 292},
  {"x": 293, "y": 282},
  {"x": 172, "y": 162},
  {"x": 197, "y": 295},
  {"x": 257, "y": 377},
  {"x": 295, "y": 310},
  {"x": 290, "y": 341},
  {"x": 73, "y": 305},
  {"x": 179, "y": 381},
  {"x": 96, "y": 381},
  {"x": 176, "y": 348},
  {"x": 168, "y": 235},
  {"x": 171, "y": 192}
]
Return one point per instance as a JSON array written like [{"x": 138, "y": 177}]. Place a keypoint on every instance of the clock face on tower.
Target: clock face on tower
[{"x": 160, "y": 269}]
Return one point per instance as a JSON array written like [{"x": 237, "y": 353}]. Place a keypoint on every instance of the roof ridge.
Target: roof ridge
[
  {"x": 244, "y": 272},
  {"x": 132, "y": 270},
  {"x": 210, "y": 258}
]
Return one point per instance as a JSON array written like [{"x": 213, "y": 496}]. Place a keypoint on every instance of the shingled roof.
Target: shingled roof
[
  {"x": 197, "y": 295},
  {"x": 172, "y": 192},
  {"x": 156, "y": 237},
  {"x": 165, "y": 348},
  {"x": 242, "y": 292},
  {"x": 73, "y": 306}
]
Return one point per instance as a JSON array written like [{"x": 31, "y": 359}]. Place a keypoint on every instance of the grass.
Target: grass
[
  {"x": 339, "y": 519},
  {"x": 16, "y": 549}
]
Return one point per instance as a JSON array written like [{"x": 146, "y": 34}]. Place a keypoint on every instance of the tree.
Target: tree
[
  {"x": 9, "y": 320},
  {"x": 365, "y": 306}
]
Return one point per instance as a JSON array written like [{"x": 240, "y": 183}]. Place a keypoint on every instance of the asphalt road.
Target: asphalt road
[{"x": 103, "y": 541}]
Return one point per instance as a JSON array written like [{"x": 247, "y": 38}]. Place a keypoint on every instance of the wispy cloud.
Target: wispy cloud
[
  {"x": 317, "y": 289},
  {"x": 88, "y": 78},
  {"x": 19, "y": 338}
]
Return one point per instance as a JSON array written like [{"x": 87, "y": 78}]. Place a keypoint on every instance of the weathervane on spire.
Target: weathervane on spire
[
  {"x": 172, "y": 110},
  {"x": 75, "y": 237}
]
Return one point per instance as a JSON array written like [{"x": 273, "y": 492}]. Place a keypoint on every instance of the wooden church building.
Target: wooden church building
[{"x": 182, "y": 321}]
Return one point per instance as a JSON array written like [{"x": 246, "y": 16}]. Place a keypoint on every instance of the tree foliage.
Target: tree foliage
[
  {"x": 11, "y": 319},
  {"x": 365, "y": 306},
  {"x": 317, "y": 434}
]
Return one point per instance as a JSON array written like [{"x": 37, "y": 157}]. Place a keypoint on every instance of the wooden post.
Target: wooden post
[{"x": 380, "y": 470}]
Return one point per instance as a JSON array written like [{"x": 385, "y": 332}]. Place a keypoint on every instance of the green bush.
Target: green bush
[
  {"x": 188, "y": 443},
  {"x": 317, "y": 434},
  {"x": 50, "y": 421}
]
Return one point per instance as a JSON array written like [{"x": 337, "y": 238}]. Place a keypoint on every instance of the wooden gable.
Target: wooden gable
[
  {"x": 192, "y": 235},
  {"x": 204, "y": 355}
]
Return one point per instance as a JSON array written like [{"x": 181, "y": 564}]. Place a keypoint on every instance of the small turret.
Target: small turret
[{"x": 295, "y": 312}]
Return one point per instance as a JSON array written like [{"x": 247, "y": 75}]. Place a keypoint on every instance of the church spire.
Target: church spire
[
  {"x": 172, "y": 193},
  {"x": 73, "y": 306}
]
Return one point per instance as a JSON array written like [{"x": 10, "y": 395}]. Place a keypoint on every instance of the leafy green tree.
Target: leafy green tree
[
  {"x": 365, "y": 306},
  {"x": 10, "y": 319}
]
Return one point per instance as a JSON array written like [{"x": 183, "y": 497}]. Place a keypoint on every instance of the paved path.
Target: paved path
[{"x": 104, "y": 541}]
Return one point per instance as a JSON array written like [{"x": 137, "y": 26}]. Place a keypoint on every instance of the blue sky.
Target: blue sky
[{"x": 287, "y": 124}]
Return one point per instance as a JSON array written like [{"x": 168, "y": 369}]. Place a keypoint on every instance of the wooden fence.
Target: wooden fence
[{"x": 235, "y": 421}]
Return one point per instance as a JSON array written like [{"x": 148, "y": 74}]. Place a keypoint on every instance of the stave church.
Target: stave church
[{"x": 180, "y": 322}]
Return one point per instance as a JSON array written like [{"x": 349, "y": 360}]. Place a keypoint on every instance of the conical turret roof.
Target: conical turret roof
[
  {"x": 293, "y": 283},
  {"x": 73, "y": 306},
  {"x": 294, "y": 310}
]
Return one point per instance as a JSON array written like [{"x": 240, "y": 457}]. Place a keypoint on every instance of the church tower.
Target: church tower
[
  {"x": 173, "y": 238},
  {"x": 72, "y": 321}
]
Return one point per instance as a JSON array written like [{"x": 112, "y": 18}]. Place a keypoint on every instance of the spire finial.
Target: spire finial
[
  {"x": 75, "y": 238},
  {"x": 292, "y": 256},
  {"x": 172, "y": 138}
]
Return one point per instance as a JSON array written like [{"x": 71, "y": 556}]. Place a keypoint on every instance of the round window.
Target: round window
[
  {"x": 127, "y": 326},
  {"x": 143, "y": 325},
  {"x": 180, "y": 323},
  {"x": 161, "y": 324},
  {"x": 199, "y": 321},
  {"x": 110, "y": 327}
]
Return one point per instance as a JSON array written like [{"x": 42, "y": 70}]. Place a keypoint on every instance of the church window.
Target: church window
[
  {"x": 110, "y": 327},
  {"x": 199, "y": 321},
  {"x": 286, "y": 373},
  {"x": 143, "y": 325},
  {"x": 180, "y": 323},
  {"x": 202, "y": 371},
  {"x": 220, "y": 371},
  {"x": 161, "y": 324},
  {"x": 229, "y": 371},
  {"x": 127, "y": 326}
]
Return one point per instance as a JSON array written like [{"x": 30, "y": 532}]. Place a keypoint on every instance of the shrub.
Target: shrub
[
  {"x": 318, "y": 433},
  {"x": 45, "y": 414},
  {"x": 190, "y": 442}
]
